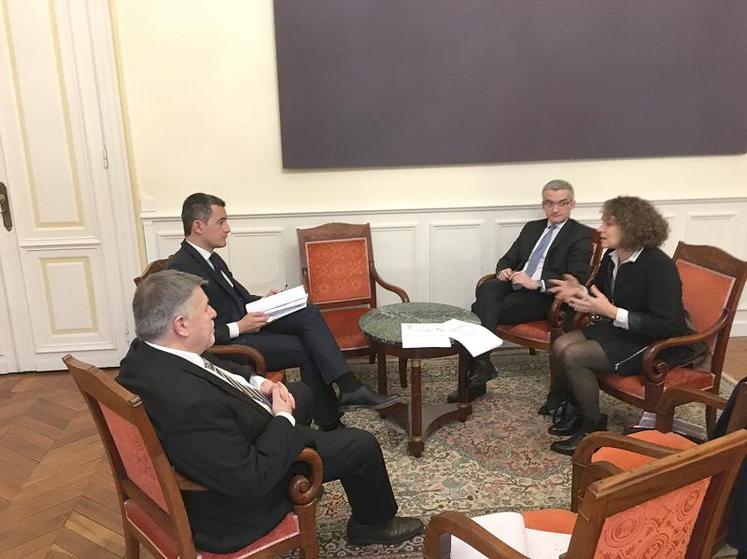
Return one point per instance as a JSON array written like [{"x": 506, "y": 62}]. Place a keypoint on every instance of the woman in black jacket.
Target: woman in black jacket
[{"x": 636, "y": 298}]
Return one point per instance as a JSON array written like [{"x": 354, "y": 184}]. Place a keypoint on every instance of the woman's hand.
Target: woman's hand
[
  {"x": 594, "y": 302},
  {"x": 566, "y": 288}
]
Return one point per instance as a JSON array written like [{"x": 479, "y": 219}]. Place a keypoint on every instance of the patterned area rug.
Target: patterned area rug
[{"x": 499, "y": 459}]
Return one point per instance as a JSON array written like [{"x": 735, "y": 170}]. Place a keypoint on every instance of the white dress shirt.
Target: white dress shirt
[{"x": 537, "y": 275}]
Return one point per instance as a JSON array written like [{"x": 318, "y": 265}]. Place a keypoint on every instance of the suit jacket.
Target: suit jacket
[
  {"x": 569, "y": 253},
  {"x": 221, "y": 439},
  {"x": 229, "y": 302}
]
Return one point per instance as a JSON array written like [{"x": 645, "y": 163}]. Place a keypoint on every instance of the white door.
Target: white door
[{"x": 66, "y": 265}]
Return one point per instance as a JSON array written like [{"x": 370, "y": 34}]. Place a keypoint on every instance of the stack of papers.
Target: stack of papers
[
  {"x": 280, "y": 304},
  {"x": 475, "y": 338},
  {"x": 509, "y": 527}
]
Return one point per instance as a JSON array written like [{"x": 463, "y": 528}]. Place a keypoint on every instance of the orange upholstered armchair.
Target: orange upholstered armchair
[
  {"x": 669, "y": 508},
  {"x": 712, "y": 283},
  {"x": 149, "y": 490},
  {"x": 337, "y": 263},
  {"x": 251, "y": 354},
  {"x": 541, "y": 333}
]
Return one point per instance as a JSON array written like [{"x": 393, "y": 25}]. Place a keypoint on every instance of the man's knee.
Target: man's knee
[{"x": 363, "y": 445}]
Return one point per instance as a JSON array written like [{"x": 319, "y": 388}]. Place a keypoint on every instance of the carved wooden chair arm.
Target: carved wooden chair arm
[
  {"x": 654, "y": 370},
  {"x": 442, "y": 526},
  {"x": 237, "y": 349},
  {"x": 186, "y": 484},
  {"x": 303, "y": 489},
  {"x": 677, "y": 396},
  {"x": 390, "y": 286},
  {"x": 594, "y": 472},
  {"x": 600, "y": 439},
  {"x": 482, "y": 280}
]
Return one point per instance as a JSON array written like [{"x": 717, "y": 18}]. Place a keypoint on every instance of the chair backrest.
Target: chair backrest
[
  {"x": 156, "y": 266},
  {"x": 597, "y": 250},
  {"x": 337, "y": 263},
  {"x": 142, "y": 472},
  {"x": 672, "y": 506},
  {"x": 712, "y": 283}
]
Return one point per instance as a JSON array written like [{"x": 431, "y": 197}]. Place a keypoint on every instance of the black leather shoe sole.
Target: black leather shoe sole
[
  {"x": 566, "y": 427},
  {"x": 352, "y": 406}
]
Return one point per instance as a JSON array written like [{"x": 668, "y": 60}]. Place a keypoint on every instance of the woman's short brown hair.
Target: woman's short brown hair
[{"x": 640, "y": 222}]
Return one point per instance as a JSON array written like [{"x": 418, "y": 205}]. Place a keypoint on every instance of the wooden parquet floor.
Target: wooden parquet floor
[{"x": 57, "y": 497}]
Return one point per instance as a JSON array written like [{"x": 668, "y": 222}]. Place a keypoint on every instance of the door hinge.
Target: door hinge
[{"x": 105, "y": 156}]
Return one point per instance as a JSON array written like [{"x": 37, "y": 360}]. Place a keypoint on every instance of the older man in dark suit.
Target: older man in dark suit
[
  {"x": 236, "y": 433},
  {"x": 301, "y": 339},
  {"x": 545, "y": 249}
]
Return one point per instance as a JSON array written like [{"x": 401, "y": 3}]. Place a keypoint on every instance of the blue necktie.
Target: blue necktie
[{"x": 538, "y": 251}]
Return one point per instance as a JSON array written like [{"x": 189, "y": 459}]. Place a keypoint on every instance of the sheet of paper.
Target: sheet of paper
[
  {"x": 424, "y": 335},
  {"x": 508, "y": 526},
  {"x": 475, "y": 338},
  {"x": 280, "y": 304},
  {"x": 546, "y": 545}
]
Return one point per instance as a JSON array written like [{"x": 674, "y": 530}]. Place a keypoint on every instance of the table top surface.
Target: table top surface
[{"x": 383, "y": 324}]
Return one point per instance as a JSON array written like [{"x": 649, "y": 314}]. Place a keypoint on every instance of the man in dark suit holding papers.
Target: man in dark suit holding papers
[
  {"x": 545, "y": 249},
  {"x": 301, "y": 339}
]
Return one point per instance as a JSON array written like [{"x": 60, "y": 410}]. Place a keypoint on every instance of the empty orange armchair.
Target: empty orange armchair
[
  {"x": 337, "y": 263},
  {"x": 712, "y": 283},
  {"x": 670, "y": 508},
  {"x": 149, "y": 490}
]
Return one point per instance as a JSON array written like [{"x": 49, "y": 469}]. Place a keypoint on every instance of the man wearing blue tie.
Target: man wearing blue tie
[{"x": 544, "y": 250}]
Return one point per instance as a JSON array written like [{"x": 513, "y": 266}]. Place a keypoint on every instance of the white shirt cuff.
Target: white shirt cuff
[
  {"x": 287, "y": 416},
  {"x": 621, "y": 320},
  {"x": 257, "y": 381},
  {"x": 233, "y": 330}
]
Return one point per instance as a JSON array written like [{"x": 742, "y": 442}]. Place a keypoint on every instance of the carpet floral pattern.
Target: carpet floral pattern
[{"x": 499, "y": 459}]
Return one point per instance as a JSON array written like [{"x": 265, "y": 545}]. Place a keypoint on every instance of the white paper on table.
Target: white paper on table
[
  {"x": 280, "y": 304},
  {"x": 475, "y": 338},
  {"x": 423, "y": 335},
  {"x": 509, "y": 527}
]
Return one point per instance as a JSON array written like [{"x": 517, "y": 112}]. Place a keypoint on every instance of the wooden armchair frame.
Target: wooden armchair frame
[
  {"x": 149, "y": 489},
  {"x": 365, "y": 298},
  {"x": 249, "y": 353},
  {"x": 719, "y": 460}
]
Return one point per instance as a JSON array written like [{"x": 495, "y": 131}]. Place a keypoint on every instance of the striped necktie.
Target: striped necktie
[
  {"x": 536, "y": 255},
  {"x": 247, "y": 389}
]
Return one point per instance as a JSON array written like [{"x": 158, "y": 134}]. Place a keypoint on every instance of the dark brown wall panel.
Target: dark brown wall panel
[{"x": 368, "y": 83}]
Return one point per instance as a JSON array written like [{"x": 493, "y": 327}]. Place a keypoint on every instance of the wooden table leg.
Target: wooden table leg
[
  {"x": 416, "y": 444},
  {"x": 381, "y": 369}
]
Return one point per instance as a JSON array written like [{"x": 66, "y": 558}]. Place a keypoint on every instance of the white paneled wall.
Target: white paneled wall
[{"x": 435, "y": 254}]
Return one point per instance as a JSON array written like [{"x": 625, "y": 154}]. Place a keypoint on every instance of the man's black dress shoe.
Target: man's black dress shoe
[
  {"x": 364, "y": 397},
  {"x": 337, "y": 425},
  {"x": 481, "y": 371},
  {"x": 475, "y": 389},
  {"x": 566, "y": 426},
  {"x": 483, "y": 367},
  {"x": 397, "y": 530}
]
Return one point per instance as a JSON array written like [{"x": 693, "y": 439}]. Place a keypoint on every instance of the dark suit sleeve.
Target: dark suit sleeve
[
  {"x": 664, "y": 315},
  {"x": 209, "y": 447}
]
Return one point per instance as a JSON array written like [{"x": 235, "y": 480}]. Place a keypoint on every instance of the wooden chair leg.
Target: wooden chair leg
[
  {"x": 132, "y": 545},
  {"x": 372, "y": 357},
  {"x": 532, "y": 351},
  {"x": 403, "y": 372},
  {"x": 710, "y": 419}
]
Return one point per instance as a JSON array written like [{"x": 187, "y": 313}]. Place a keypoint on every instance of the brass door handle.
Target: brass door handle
[{"x": 5, "y": 207}]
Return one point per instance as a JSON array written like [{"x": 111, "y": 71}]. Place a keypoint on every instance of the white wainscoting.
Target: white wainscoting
[{"x": 435, "y": 254}]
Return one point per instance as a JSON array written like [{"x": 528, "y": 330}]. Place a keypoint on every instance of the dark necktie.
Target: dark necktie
[{"x": 247, "y": 389}]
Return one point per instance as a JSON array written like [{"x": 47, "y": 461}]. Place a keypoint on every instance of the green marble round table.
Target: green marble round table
[{"x": 382, "y": 327}]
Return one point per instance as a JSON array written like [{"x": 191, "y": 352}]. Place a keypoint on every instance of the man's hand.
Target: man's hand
[
  {"x": 566, "y": 288},
  {"x": 282, "y": 400},
  {"x": 522, "y": 279},
  {"x": 594, "y": 302},
  {"x": 504, "y": 274},
  {"x": 252, "y": 322}
]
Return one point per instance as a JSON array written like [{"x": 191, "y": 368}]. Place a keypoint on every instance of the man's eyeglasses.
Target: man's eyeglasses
[{"x": 562, "y": 204}]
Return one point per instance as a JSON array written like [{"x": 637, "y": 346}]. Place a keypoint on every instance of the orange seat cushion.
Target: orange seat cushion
[
  {"x": 343, "y": 323},
  {"x": 149, "y": 529},
  {"x": 626, "y": 460},
  {"x": 550, "y": 520},
  {"x": 679, "y": 376},
  {"x": 538, "y": 331}
]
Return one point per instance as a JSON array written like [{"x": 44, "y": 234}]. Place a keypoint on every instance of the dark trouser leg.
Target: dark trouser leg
[
  {"x": 282, "y": 351},
  {"x": 488, "y": 301},
  {"x": 354, "y": 457},
  {"x": 497, "y": 303},
  {"x": 304, "y": 402}
]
